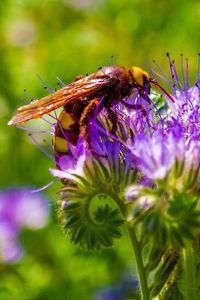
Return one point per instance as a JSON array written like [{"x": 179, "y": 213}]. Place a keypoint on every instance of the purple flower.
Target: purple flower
[
  {"x": 137, "y": 192},
  {"x": 186, "y": 110},
  {"x": 153, "y": 142},
  {"x": 156, "y": 153},
  {"x": 105, "y": 147},
  {"x": 19, "y": 208},
  {"x": 185, "y": 100},
  {"x": 141, "y": 152},
  {"x": 72, "y": 164},
  {"x": 161, "y": 144},
  {"x": 186, "y": 106},
  {"x": 191, "y": 171}
]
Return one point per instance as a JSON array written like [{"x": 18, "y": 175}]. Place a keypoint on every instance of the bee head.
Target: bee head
[{"x": 139, "y": 77}]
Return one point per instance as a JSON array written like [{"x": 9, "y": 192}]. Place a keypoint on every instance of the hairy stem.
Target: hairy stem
[
  {"x": 145, "y": 295},
  {"x": 140, "y": 266},
  {"x": 189, "y": 272}
]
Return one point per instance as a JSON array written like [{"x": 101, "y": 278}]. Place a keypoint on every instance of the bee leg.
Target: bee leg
[
  {"x": 113, "y": 118},
  {"x": 84, "y": 120},
  {"x": 137, "y": 107}
]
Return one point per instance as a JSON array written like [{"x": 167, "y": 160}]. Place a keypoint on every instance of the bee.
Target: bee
[{"x": 82, "y": 98}]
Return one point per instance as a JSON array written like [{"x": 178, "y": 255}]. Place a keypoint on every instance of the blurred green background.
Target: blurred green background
[{"x": 65, "y": 38}]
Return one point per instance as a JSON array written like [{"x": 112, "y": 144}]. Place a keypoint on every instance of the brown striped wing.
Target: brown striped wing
[{"x": 84, "y": 87}]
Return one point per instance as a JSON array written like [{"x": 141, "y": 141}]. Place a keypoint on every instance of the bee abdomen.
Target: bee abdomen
[{"x": 67, "y": 130}]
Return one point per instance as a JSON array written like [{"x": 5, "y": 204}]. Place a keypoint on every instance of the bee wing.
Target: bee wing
[{"x": 84, "y": 87}]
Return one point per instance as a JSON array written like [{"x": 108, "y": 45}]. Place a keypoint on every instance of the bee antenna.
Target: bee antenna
[{"x": 155, "y": 83}]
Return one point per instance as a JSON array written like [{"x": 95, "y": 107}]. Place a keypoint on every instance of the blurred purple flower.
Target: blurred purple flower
[
  {"x": 111, "y": 293},
  {"x": 19, "y": 208},
  {"x": 126, "y": 286}
]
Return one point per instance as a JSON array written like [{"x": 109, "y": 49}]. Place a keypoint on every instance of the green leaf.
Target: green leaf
[
  {"x": 176, "y": 237},
  {"x": 154, "y": 257}
]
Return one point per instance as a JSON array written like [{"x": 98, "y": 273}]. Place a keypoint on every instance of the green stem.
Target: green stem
[
  {"x": 189, "y": 272},
  {"x": 137, "y": 252},
  {"x": 139, "y": 263}
]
